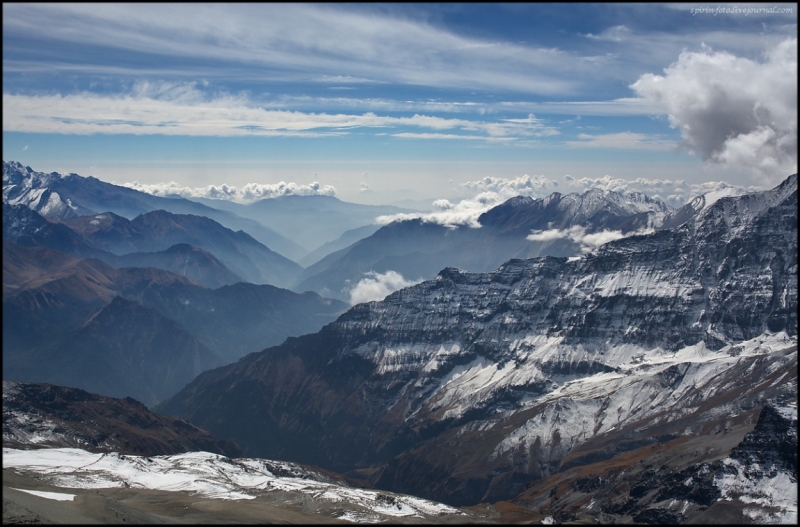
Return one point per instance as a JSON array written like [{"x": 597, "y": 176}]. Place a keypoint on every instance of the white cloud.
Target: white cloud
[
  {"x": 587, "y": 242},
  {"x": 246, "y": 194},
  {"x": 184, "y": 109},
  {"x": 623, "y": 140},
  {"x": 302, "y": 42},
  {"x": 733, "y": 111},
  {"x": 538, "y": 186},
  {"x": 376, "y": 286},
  {"x": 465, "y": 212}
]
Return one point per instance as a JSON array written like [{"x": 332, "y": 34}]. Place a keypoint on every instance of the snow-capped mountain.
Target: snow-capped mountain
[
  {"x": 469, "y": 387},
  {"x": 68, "y": 196},
  {"x": 418, "y": 249},
  {"x": 24, "y": 186}
]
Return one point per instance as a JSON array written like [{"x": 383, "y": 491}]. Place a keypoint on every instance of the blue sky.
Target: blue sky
[{"x": 379, "y": 103}]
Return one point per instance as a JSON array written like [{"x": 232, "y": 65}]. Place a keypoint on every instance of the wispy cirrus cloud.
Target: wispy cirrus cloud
[
  {"x": 184, "y": 109},
  {"x": 303, "y": 41},
  {"x": 623, "y": 140}
]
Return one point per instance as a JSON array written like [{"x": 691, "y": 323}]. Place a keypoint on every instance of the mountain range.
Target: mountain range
[
  {"x": 291, "y": 226},
  {"x": 419, "y": 249},
  {"x": 138, "y": 332},
  {"x": 313, "y": 220},
  {"x": 63, "y": 196},
  {"x": 595, "y": 357},
  {"x": 471, "y": 387},
  {"x": 226, "y": 257}
]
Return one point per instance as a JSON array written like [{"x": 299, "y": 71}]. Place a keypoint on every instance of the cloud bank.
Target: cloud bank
[
  {"x": 377, "y": 286},
  {"x": 246, "y": 194},
  {"x": 733, "y": 111},
  {"x": 587, "y": 242}
]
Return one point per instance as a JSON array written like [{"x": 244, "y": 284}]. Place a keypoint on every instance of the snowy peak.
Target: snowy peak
[{"x": 23, "y": 186}]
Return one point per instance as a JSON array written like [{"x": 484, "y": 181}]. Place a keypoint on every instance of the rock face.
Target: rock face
[
  {"x": 48, "y": 416},
  {"x": 469, "y": 387},
  {"x": 705, "y": 479}
]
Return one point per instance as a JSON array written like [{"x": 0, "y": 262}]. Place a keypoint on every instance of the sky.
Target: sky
[{"x": 454, "y": 104}]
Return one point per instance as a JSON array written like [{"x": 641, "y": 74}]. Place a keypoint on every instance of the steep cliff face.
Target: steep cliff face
[{"x": 467, "y": 387}]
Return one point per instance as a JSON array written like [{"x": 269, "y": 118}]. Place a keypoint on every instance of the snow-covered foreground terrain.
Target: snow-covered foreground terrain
[{"x": 213, "y": 476}]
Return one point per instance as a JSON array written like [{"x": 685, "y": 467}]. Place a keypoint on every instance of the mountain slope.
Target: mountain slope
[
  {"x": 183, "y": 259},
  {"x": 737, "y": 473},
  {"x": 467, "y": 387},
  {"x": 47, "y": 292},
  {"x": 49, "y": 416},
  {"x": 123, "y": 350}
]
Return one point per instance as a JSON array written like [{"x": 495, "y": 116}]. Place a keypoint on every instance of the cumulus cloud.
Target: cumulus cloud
[
  {"x": 577, "y": 234},
  {"x": 526, "y": 185},
  {"x": 733, "y": 111},
  {"x": 376, "y": 286},
  {"x": 246, "y": 194},
  {"x": 466, "y": 212}
]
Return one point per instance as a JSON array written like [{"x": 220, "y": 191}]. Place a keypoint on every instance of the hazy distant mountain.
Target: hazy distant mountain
[
  {"x": 342, "y": 242},
  {"x": 309, "y": 220},
  {"x": 26, "y": 227},
  {"x": 185, "y": 260},
  {"x": 109, "y": 237},
  {"x": 55, "y": 195},
  {"x": 46, "y": 292},
  {"x": 419, "y": 250},
  {"x": 123, "y": 350},
  {"x": 472, "y": 387}
]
